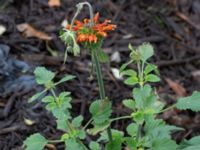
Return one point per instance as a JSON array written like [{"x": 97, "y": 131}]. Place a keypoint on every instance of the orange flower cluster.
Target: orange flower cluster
[{"x": 87, "y": 33}]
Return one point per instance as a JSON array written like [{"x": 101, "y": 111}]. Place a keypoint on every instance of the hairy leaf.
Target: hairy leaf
[
  {"x": 35, "y": 141},
  {"x": 146, "y": 51},
  {"x": 43, "y": 75},
  {"x": 191, "y": 102}
]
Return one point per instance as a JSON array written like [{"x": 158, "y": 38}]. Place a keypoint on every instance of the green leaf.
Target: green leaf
[
  {"x": 149, "y": 68},
  {"x": 36, "y": 96},
  {"x": 146, "y": 51},
  {"x": 152, "y": 78},
  {"x": 43, "y": 75},
  {"x": 101, "y": 111},
  {"x": 35, "y": 141},
  {"x": 62, "y": 124},
  {"x": 94, "y": 146},
  {"x": 98, "y": 128},
  {"x": 103, "y": 57},
  {"x": 192, "y": 144},
  {"x": 129, "y": 103},
  {"x": 48, "y": 99},
  {"x": 129, "y": 72},
  {"x": 191, "y": 102},
  {"x": 64, "y": 79},
  {"x": 164, "y": 144},
  {"x": 157, "y": 128},
  {"x": 131, "y": 80},
  {"x": 130, "y": 47},
  {"x": 141, "y": 96},
  {"x": 132, "y": 129},
  {"x": 76, "y": 122},
  {"x": 124, "y": 66},
  {"x": 72, "y": 144}
]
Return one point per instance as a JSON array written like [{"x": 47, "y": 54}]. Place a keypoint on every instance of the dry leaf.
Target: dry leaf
[
  {"x": 54, "y": 3},
  {"x": 176, "y": 87},
  {"x": 29, "y": 31}
]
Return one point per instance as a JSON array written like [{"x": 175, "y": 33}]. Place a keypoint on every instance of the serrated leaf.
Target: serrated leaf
[
  {"x": 146, "y": 51},
  {"x": 192, "y": 144},
  {"x": 131, "y": 80},
  {"x": 115, "y": 134},
  {"x": 141, "y": 96},
  {"x": 76, "y": 122},
  {"x": 62, "y": 124},
  {"x": 129, "y": 72},
  {"x": 43, "y": 75},
  {"x": 132, "y": 129},
  {"x": 72, "y": 144},
  {"x": 94, "y": 146},
  {"x": 35, "y": 141},
  {"x": 99, "y": 128},
  {"x": 48, "y": 99},
  {"x": 191, "y": 102},
  {"x": 129, "y": 103},
  {"x": 101, "y": 111},
  {"x": 164, "y": 144},
  {"x": 64, "y": 79},
  {"x": 152, "y": 78},
  {"x": 149, "y": 68}
]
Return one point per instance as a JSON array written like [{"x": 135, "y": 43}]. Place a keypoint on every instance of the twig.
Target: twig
[{"x": 177, "y": 62}]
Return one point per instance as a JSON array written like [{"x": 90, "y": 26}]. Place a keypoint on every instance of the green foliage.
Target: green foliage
[
  {"x": 192, "y": 144},
  {"x": 101, "y": 111},
  {"x": 129, "y": 103},
  {"x": 132, "y": 129},
  {"x": 191, "y": 102},
  {"x": 76, "y": 122},
  {"x": 35, "y": 141},
  {"x": 146, "y": 51},
  {"x": 43, "y": 76},
  {"x": 94, "y": 146},
  {"x": 103, "y": 57},
  {"x": 145, "y": 131},
  {"x": 164, "y": 144}
]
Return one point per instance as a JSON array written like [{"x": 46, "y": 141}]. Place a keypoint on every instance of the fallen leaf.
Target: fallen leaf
[
  {"x": 54, "y": 3},
  {"x": 176, "y": 87},
  {"x": 29, "y": 31}
]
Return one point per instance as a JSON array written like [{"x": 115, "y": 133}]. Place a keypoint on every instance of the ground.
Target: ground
[{"x": 172, "y": 26}]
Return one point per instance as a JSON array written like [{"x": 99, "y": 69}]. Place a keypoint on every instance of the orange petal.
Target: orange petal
[
  {"x": 96, "y": 18},
  {"x": 86, "y": 21},
  {"x": 101, "y": 33}
]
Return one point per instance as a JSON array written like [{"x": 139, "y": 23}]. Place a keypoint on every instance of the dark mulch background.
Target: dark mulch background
[{"x": 172, "y": 26}]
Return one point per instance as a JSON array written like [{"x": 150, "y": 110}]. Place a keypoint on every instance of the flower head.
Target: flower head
[{"x": 91, "y": 31}]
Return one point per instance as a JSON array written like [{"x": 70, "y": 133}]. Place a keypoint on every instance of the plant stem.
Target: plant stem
[
  {"x": 55, "y": 141},
  {"x": 119, "y": 118},
  {"x": 168, "y": 108},
  {"x": 100, "y": 84},
  {"x": 85, "y": 126}
]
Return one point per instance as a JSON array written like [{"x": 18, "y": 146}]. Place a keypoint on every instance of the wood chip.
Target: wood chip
[
  {"x": 29, "y": 31},
  {"x": 54, "y": 3}
]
